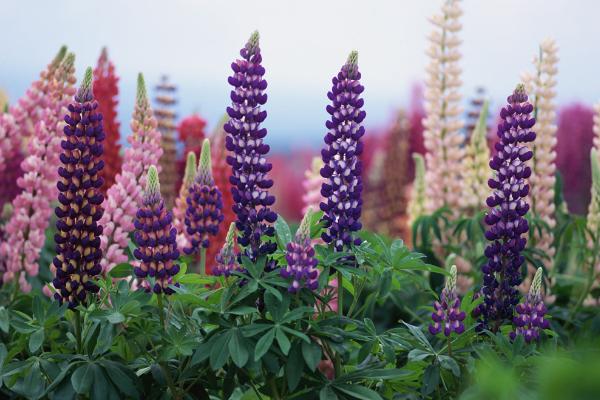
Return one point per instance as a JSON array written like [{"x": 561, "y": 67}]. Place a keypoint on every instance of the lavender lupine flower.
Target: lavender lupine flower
[
  {"x": 447, "y": 315},
  {"x": 226, "y": 258},
  {"x": 301, "y": 262},
  {"x": 342, "y": 170},
  {"x": 249, "y": 166},
  {"x": 155, "y": 238},
  {"x": 506, "y": 217},
  {"x": 78, "y": 237},
  {"x": 204, "y": 212},
  {"x": 530, "y": 320}
]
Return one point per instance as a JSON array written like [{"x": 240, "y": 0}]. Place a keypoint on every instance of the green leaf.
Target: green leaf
[
  {"x": 255, "y": 329},
  {"x": 181, "y": 273},
  {"x": 220, "y": 352},
  {"x": 282, "y": 230},
  {"x": 450, "y": 364},
  {"x": 312, "y": 355},
  {"x": 237, "y": 348},
  {"x": 122, "y": 270},
  {"x": 83, "y": 377},
  {"x": 294, "y": 367},
  {"x": 4, "y": 320},
  {"x": 282, "y": 339},
  {"x": 100, "y": 386},
  {"x": 36, "y": 340},
  {"x": 115, "y": 317},
  {"x": 264, "y": 344},
  {"x": 327, "y": 393},
  {"x": 120, "y": 379},
  {"x": 431, "y": 379},
  {"x": 196, "y": 279},
  {"x": 358, "y": 392}
]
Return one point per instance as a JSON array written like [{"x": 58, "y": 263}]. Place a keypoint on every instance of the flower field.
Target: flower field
[{"x": 455, "y": 255}]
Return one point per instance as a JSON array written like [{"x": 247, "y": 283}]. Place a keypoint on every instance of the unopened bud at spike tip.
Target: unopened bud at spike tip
[
  {"x": 85, "y": 90},
  {"x": 141, "y": 95},
  {"x": 59, "y": 56},
  {"x": 204, "y": 175},
  {"x": 152, "y": 183},
  {"x": 190, "y": 169}
]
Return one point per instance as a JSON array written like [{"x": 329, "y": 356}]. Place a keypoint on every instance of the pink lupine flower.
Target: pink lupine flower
[
  {"x": 125, "y": 197},
  {"x": 181, "y": 201},
  {"x": 32, "y": 207},
  {"x": 312, "y": 186}
]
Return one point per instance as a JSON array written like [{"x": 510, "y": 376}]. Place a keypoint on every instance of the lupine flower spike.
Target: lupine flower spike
[
  {"x": 203, "y": 214},
  {"x": 155, "y": 238},
  {"x": 301, "y": 262},
  {"x": 226, "y": 258},
  {"x": 447, "y": 316},
  {"x": 416, "y": 206},
  {"x": 125, "y": 197},
  {"x": 181, "y": 201},
  {"x": 312, "y": 185},
  {"x": 32, "y": 207},
  {"x": 593, "y": 216},
  {"x": 542, "y": 88},
  {"x": 476, "y": 165},
  {"x": 80, "y": 196},
  {"x": 508, "y": 206},
  {"x": 530, "y": 320},
  {"x": 443, "y": 123},
  {"x": 342, "y": 168},
  {"x": 249, "y": 166}
]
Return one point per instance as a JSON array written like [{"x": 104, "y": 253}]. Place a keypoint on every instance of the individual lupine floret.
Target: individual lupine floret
[
  {"x": 508, "y": 207},
  {"x": 447, "y": 315},
  {"x": 226, "y": 258},
  {"x": 181, "y": 201},
  {"x": 203, "y": 214},
  {"x": 80, "y": 197},
  {"x": 342, "y": 168},
  {"x": 301, "y": 262},
  {"x": 443, "y": 123},
  {"x": 543, "y": 176},
  {"x": 312, "y": 185},
  {"x": 476, "y": 165},
  {"x": 155, "y": 238},
  {"x": 249, "y": 165},
  {"x": 530, "y": 320},
  {"x": 416, "y": 206},
  {"x": 125, "y": 197}
]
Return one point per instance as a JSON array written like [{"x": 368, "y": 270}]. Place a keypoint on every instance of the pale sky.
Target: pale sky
[{"x": 304, "y": 43}]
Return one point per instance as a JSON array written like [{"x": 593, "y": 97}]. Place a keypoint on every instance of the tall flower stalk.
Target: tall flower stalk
[
  {"x": 443, "y": 122},
  {"x": 165, "y": 115},
  {"x": 203, "y": 214},
  {"x": 181, "y": 200},
  {"x": 32, "y": 207},
  {"x": 226, "y": 259},
  {"x": 249, "y": 167},
  {"x": 77, "y": 239},
  {"x": 342, "y": 186},
  {"x": 476, "y": 165},
  {"x": 106, "y": 91},
  {"x": 447, "y": 316},
  {"x": 508, "y": 207},
  {"x": 416, "y": 206},
  {"x": 19, "y": 126},
  {"x": 542, "y": 86},
  {"x": 312, "y": 185},
  {"x": 155, "y": 238},
  {"x": 125, "y": 197}
]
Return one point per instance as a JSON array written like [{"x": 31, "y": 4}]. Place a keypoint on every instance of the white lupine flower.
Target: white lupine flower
[
  {"x": 542, "y": 87},
  {"x": 443, "y": 139}
]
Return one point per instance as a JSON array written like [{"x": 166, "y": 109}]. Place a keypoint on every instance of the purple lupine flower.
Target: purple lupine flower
[
  {"x": 249, "y": 166},
  {"x": 226, "y": 258},
  {"x": 447, "y": 315},
  {"x": 155, "y": 238},
  {"x": 342, "y": 186},
  {"x": 204, "y": 205},
  {"x": 506, "y": 217},
  {"x": 530, "y": 320},
  {"x": 301, "y": 262},
  {"x": 77, "y": 239}
]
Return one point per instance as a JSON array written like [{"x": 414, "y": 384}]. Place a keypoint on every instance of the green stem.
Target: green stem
[
  {"x": 161, "y": 312},
  {"x": 274, "y": 391},
  {"x": 449, "y": 347},
  {"x": 203, "y": 261},
  {"x": 78, "y": 331},
  {"x": 340, "y": 304}
]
